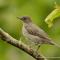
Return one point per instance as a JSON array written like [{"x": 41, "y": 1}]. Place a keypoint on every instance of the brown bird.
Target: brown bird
[{"x": 34, "y": 33}]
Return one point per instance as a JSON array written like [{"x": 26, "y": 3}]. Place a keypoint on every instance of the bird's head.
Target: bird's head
[{"x": 25, "y": 19}]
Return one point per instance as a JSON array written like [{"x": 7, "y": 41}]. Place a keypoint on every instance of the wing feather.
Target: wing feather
[{"x": 35, "y": 30}]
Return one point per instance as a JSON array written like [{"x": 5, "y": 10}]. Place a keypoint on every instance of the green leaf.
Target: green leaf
[{"x": 54, "y": 14}]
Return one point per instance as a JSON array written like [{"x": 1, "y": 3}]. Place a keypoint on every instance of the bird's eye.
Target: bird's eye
[{"x": 24, "y": 18}]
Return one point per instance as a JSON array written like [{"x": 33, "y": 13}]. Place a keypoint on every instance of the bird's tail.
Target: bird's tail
[{"x": 53, "y": 43}]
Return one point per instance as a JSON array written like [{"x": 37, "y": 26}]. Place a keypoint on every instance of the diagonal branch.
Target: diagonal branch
[{"x": 6, "y": 37}]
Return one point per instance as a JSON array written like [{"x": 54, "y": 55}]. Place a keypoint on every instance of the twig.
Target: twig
[{"x": 6, "y": 37}]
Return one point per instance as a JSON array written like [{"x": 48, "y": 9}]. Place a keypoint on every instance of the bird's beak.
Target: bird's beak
[{"x": 19, "y": 18}]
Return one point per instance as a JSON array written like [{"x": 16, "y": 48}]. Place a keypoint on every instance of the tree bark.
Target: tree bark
[{"x": 9, "y": 39}]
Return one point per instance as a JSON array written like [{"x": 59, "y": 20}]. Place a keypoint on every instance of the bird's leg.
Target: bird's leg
[
  {"x": 20, "y": 40},
  {"x": 38, "y": 47}
]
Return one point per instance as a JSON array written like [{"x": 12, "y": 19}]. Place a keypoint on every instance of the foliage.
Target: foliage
[
  {"x": 38, "y": 10},
  {"x": 52, "y": 16}
]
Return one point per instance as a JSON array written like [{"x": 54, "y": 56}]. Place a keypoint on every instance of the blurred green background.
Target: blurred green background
[{"x": 37, "y": 10}]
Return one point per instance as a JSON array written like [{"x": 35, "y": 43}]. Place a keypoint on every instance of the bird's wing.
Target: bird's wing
[{"x": 36, "y": 31}]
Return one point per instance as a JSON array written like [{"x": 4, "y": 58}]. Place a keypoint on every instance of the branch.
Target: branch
[{"x": 6, "y": 37}]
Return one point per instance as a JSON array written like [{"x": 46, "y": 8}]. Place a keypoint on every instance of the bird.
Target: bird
[{"x": 34, "y": 33}]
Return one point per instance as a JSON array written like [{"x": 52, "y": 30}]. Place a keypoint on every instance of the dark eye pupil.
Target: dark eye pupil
[{"x": 24, "y": 18}]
